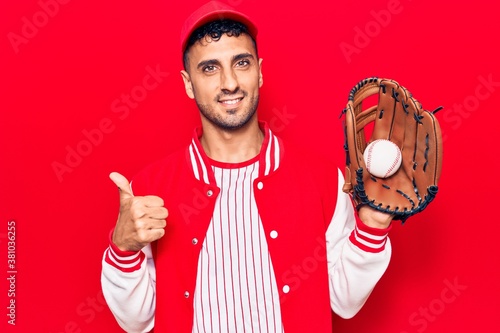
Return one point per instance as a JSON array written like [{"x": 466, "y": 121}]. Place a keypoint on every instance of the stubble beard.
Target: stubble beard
[{"x": 231, "y": 124}]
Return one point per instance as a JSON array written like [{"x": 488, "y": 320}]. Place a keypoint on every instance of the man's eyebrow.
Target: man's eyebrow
[
  {"x": 242, "y": 56},
  {"x": 208, "y": 62}
]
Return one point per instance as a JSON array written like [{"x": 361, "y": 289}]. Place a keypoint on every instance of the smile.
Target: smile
[{"x": 231, "y": 101}]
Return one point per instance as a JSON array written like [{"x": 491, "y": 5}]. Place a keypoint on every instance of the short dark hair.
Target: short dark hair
[{"x": 214, "y": 31}]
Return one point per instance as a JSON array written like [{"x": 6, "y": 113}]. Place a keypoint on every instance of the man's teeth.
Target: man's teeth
[{"x": 232, "y": 101}]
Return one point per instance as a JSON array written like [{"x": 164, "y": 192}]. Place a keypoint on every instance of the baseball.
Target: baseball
[{"x": 382, "y": 158}]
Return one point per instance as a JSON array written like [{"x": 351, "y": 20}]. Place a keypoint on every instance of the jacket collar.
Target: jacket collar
[{"x": 271, "y": 153}]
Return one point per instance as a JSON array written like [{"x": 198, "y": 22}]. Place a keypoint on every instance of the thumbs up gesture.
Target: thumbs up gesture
[{"x": 141, "y": 220}]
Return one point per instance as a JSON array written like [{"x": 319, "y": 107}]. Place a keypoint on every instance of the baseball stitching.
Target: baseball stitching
[
  {"x": 369, "y": 159},
  {"x": 396, "y": 161}
]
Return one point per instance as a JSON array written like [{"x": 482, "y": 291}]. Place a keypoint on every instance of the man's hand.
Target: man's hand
[
  {"x": 373, "y": 218},
  {"x": 141, "y": 220}
]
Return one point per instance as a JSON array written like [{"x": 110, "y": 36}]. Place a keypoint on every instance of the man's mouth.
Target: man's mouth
[{"x": 231, "y": 102}]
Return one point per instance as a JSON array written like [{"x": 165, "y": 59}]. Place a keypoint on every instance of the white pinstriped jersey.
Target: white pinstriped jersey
[{"x": 236, "y": 288}]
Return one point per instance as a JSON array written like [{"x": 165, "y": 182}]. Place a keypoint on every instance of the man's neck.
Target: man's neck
[{"x": 232, "y": 146}]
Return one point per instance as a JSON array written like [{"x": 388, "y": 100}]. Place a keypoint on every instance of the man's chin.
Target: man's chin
[
  {"x": 233, "y": 126},
  {"x": 229, "y": 127},
  {"x": 231, "y": 111}
]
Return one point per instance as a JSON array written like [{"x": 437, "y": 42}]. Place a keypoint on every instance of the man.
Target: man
[{"x": 238, "y": 232}]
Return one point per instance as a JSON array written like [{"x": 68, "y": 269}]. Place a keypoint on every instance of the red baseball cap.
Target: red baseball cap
[{"x": 211, "y": 11}]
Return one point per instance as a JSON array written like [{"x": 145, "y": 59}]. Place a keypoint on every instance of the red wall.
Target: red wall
[{"x": 67, "y": 68}]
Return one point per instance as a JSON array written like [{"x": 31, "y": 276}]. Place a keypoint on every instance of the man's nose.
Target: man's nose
[{"x": 229, "y": 80}]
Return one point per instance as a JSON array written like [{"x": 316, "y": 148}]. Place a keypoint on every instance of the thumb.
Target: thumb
[{"x": 123, "y": 185}]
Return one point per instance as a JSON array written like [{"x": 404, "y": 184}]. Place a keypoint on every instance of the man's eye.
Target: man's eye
[
  {"x": 209, "y": 68},
  {"x": 243, "y": 63}
]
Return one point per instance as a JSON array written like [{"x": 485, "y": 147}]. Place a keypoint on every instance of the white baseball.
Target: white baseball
[{"x": 382, "y": 158}]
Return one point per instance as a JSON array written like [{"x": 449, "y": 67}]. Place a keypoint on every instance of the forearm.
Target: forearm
[
  {"x": 355, "y": 273},
  {"x": 358, "y": 256},
  {"x": 128, "y": 283}
]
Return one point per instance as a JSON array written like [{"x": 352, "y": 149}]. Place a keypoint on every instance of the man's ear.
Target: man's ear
[
  {"x": 261, "y": 81},
  {"x": 188, "y": 85}
]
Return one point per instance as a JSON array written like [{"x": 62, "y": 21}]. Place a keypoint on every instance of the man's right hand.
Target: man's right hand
[{"x": 141, "y": 220}]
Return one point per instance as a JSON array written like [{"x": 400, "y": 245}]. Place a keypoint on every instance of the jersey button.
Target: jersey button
[
  {"x": 286, "y": 289},
  {"x": 260, "y": 185},
  {"x": 186, "y": 294},
  {"x": 210, "y": 193},
  {"x": 273, "y": 234},
  {"x": 194, "y": 241}
]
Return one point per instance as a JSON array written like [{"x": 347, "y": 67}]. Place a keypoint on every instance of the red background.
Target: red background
[{"x": 63, "y": 74}]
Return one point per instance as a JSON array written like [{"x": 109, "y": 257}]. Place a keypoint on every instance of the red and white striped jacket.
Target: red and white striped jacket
[{"x": 323, "y": 257}]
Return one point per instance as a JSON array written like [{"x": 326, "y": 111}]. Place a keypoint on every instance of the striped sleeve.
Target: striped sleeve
[
  {"x": 367, "y": 238},
  {"x": 358, "y": 256},
  {"x": 125, "y": 261},
  {"x": 128, "y": 281}
]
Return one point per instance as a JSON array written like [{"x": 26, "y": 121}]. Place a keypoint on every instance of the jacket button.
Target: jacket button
[
  {"x": 273, "y": 234},
  {"x": 186, "y": 294},
  {"x": 194, "y": 241},
  {"x": 210, "y": 193},
  {"x": 260, "y": 185},
  {"x": 286, "y": 289}
]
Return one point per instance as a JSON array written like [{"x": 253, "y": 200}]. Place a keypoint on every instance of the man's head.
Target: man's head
[
  {"x": 214, "y": 11},
  {"x": 213, "y": 31},
  {"x": 222, "y": 69}
]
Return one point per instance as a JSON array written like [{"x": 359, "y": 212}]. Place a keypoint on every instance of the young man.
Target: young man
[{"x": 238, "y": 232}]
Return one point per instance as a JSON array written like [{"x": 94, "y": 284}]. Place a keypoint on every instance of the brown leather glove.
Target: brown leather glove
[{"x": 400, "y": 118}]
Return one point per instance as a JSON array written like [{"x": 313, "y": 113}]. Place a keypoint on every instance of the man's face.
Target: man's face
[{"x": 224, "y": 78}]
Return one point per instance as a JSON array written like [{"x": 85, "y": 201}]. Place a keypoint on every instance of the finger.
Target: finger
[
  {"x": 150, "y": 235},
  {"x": 153, "y": 201},
  {"x": 387, "y": 101},
  {"x": 145, "y": 224},
  {"x": 159, "y": 233},
  {"x": 159, "y": 213},
  {"x": 429, "y": 150},
  {"x": 157, "y": 224},
  {"x": 123, "y": 185},
  {"x": 400, "y": 116},
  {"x": 410, "y": 146}
]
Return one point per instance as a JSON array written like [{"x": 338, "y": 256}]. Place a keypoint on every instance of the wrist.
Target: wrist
[
  {"x": 118, "y": 247},
  {"x": 369, "y": 239},
  {"x": 125, "y": 261},
  {"x": 374, "y": 218}
]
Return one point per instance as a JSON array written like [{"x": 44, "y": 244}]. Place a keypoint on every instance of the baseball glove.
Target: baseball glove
[{"x": 400, "y": 118}]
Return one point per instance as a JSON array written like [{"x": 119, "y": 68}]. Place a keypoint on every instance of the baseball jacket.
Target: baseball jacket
[{"x": 324, "y": 257}]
